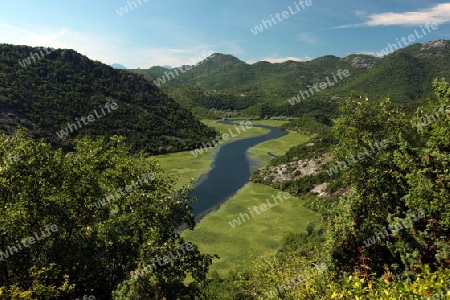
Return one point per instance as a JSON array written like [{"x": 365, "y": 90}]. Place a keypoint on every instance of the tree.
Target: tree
[
  {"x": 410, "y": 175},
  {"x": 310, "y": 227},
  {"x": 429, "y": 178},
  {"x": 112, "y": 210}
]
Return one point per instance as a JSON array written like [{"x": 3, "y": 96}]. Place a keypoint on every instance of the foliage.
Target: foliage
[
  {"x": 286, "y": 276},
  {"x": 294, "y": 276},
  {"x": 46, "y": 284},
  {"x": 64, "y": 86},
  {"x": 302, "y": 243},
  {"x": 427, "y": 285},
  {"x": 262, "y": 89},
  {"x": 411, "y": 174},
  {"x": 94, "y": 247}
]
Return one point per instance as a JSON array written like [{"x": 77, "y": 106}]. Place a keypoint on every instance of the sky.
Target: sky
[{"x": 146, "y": 33}]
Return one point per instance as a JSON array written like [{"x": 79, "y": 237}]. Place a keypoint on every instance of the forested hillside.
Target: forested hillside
[
  {"x": 263, "y": 89},
  {"x": 385, "y": 234},
  {"x": 47, "y": 91}
]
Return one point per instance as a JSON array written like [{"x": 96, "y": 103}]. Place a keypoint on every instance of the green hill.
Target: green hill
[
  {"x": 53, "y": 91},
  {"x": 224, "y": 82}
]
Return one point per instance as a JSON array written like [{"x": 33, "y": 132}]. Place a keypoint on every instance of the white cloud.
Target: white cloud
[
  {"x": 365, "y": 53},
  {"x": 109, "y": 49},
  {"x": 362, "y": 52},
  {"x": 95, "y": 47},
  {"x": 148, "y": 57},
  {"x": 231, "y": 47},
  {"x": 439, "y": 14},
  {"x": 360, "y": 13},
  {"x": 277, "y": 59},
  {"x": 24, "y": 34}
]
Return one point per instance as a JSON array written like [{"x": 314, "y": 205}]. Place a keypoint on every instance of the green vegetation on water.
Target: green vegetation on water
[
  {"x": 277, "y": 146},
  {"x": 254, "y": 131},
  {"x": 190, "y": 168},
  {"x": 184, "y": 165},
  {"x": 235, "y": 245},
  {"x": 261, "y": 235}
]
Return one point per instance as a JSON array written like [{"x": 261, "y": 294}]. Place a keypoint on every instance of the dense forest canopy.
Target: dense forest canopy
[
  {"x": 57, "y": 90},
  {"x": 263, "y": 89}
]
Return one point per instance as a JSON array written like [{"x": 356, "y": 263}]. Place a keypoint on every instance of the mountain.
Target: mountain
[
  {"x": 118, "y": 66},
  {"x": 405, "y": 74},
  {"x": 60, "y": 94},
  {"x": 264, "y": 88}
]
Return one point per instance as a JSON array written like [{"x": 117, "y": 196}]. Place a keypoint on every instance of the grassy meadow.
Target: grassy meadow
[
  {"x": 254, "y": 131},
  {"x": 259, "y": 236},
  {"x": 277, "y": 146},
  {"x": 188, "y": 167}
]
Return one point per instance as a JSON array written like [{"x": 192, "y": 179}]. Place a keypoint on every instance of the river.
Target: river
[{"x": 231, "y": 170}]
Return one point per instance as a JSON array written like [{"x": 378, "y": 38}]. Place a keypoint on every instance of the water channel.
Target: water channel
[{"x": 231, "y": 170}]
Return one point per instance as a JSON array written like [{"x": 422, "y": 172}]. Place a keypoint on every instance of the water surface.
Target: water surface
[{"x": 230, "y": 171}]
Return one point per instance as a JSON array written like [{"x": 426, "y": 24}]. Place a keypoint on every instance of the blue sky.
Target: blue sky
[{"x": 177, "y": 32}]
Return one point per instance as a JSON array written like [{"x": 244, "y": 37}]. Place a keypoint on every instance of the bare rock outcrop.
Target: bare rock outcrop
[{"x": 439, "y": 44}]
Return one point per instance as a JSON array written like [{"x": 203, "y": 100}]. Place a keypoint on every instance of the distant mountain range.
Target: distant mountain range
[
  {"x": 61, "y": 94},
  {"x": 118, "y": 66},
  {"x": 49, "y": 91},
  {"x": 264, "y": 89}
]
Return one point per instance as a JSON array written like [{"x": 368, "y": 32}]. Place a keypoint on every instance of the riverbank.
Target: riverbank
[
  {"x": 189, "y": 168},
  {"x": 230, "y": 172},
  {"x": 277, "y": 147},
  {"x": 259, "y": 236},
  {"x": 256, "y": 237}
]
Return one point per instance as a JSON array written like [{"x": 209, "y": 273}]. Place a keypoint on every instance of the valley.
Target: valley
[
  {"x": 261, "y": 171},
  {"x": 237, "y": 246}
]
